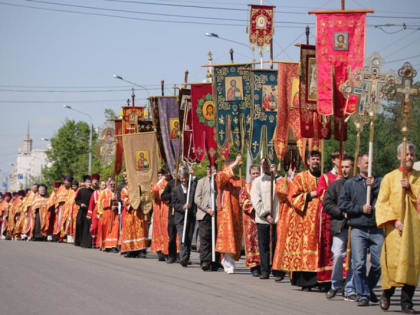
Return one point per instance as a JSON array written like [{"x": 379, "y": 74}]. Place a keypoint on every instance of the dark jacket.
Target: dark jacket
[
  {"x": 179, "y": 199},
  {"x": 353, "y": 198},
  {"x": 330, "y": 206},
  {"x": 167, "y": 194}
]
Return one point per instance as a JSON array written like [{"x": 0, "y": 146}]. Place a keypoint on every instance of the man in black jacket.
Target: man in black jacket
[
  {"x": 339, "y": 232},
  {"x": 180, "y": 204},
  {"x": 365, "y": 234}
]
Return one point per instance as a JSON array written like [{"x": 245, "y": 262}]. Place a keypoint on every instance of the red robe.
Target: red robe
[
  {"x": 4, "y": 210},
  {"x": 160, "y": 236},
  {"x": 285, "y": 212},
  {"x": 93, "y": 215},
  {"x": 325, "y": 258},
  {"x": 135, "y": 228},
  {"x": 47, "y": 226},
  {"x": 229, "y": 214},
  {"x": 109, "y": 217},
  {"x": 301, "y": 241},
  {"x": 252, "y": 252}
]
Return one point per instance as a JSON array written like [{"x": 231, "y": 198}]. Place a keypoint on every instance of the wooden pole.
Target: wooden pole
[
  {"x": 343, "y": 4},
  {"x": 404, "y": 131},
  {"x": 271, "y": 214},
  {"x": 371, "y": 135},
  {"x": 213, "y": 222},
  {"x": 184, "y": 230},
  {"x": 356, "y": 151}
]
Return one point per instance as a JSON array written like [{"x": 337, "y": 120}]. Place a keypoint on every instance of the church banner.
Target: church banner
[
  {"x": 118, "y": 146},
  {"x": 312, "y": 124},
  {"x": 340, "y": 42},
  {"x": 142, "y": 163},
  {"x": 265, "y": 96},
  {"x": 288, "y": 115},
  {"x": 154, "y": 105},
  {"x": 203, "y": 114},
  {"x": 233, "y": 98},
  {"x": 170, "y": 129},
  {"x": 261, "y": 26},
  {"x": 131, "y": 117},
  {"x": 188, "y": 152}
]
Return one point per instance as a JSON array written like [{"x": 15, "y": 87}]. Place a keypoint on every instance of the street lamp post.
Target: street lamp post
[
  {"x": 90, "y": 135},
  {"x": 116, "y": 76}
]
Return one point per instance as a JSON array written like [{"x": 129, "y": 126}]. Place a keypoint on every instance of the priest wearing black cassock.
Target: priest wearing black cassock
[{"x": 82, "y": 200}]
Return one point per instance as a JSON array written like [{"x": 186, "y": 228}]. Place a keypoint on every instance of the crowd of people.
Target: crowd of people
[{"x": 317, "y": 229}]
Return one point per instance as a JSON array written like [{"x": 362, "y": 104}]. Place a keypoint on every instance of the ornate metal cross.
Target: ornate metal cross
[{"x": 407, "y": 90}]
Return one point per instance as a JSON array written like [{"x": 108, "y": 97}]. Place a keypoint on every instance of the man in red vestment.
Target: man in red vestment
[
  {"x": 252, "y": 253},
  {"x": 325, "y": 261},
  {"x": 92, "y": 214},
  {"x": 229, "y": 216},
  {"x": 108, "y": 213},
  {"x": 4, "y": 209},
  {"x": 300, "y": 254},
  {"x": 160, "y": 236}
]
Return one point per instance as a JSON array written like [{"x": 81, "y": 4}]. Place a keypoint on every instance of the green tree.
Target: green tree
[{"x": 69, "y": 152}]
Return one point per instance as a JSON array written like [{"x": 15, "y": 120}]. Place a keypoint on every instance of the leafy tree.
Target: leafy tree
[{"x": 69, "y": 152}]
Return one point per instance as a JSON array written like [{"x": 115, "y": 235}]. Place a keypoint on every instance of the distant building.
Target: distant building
[{"x": 28, "y": 166}]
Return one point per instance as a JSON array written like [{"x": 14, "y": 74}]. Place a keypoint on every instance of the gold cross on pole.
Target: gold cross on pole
[{"x": 407, "y": 90}]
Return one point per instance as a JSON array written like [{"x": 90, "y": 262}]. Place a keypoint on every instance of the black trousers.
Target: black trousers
[
  {"x": 189, "y": 232},
  {"x": 172, "y": 232},
  {"x": 407, "y": 293},
  {"x": 264, "y": 247},
  {"x": 205, "y": 234}
]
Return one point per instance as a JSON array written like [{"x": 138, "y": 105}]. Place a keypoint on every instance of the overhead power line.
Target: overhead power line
[{"x": 404, "y": 59}]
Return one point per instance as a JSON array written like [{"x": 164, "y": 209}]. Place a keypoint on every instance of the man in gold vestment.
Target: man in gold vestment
[{"x": 400, "y": 259}]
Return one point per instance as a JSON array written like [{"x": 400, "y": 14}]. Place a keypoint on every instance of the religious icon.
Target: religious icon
[
  {"x": 106, "y": 149},
  {"x": 294, "y": 93},
  {"x": 234, "y": 90},
  {"x": 142, "y": 160},
  {"x": 312, "y": 80},
  {"x": 261, "y": 22},
  {"x": 174, "y": 128},
  {"x": 341, "y": 41},
  {"x": 269, "y": 98},
  {"x": 208, "y": 110}
]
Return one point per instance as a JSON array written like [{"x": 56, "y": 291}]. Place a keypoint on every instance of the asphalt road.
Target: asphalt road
[{"x": 50, "y": 278}]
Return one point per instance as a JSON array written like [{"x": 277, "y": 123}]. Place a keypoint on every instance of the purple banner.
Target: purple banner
[{"x": 170, "y": 128}]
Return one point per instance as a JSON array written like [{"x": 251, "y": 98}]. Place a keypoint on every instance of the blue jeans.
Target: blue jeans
[
  {"x": 338, "y": 248},
  {"x": 363, "y": 239}
]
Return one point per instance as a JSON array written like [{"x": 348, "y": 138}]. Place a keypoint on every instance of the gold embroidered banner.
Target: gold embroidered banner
[{"x": 142, "y": 163}]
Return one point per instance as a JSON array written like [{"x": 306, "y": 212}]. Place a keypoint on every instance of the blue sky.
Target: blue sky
[{"x": 51, "y": 58}]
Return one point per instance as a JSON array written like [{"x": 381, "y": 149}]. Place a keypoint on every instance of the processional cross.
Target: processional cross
[
  {"x": 367, "y": 84},
  {"x": 408, "y": 91}
]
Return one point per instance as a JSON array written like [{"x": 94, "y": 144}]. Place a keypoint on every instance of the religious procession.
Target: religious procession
[{"x": 258, "y": 130}]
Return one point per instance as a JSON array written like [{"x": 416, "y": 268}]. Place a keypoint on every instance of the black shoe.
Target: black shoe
[
  {"x": 264, "y": 276},
  {"x": 255, "y": 272},
  {"x": 363, "y": 302},
  {"x": 183, "y": 263},
  {"x": 279, "y": 278},
  {"x": 171, "y": 260},
  {"x": 373, "y": 298},
  {"x": 114, "y": 250},
  {"x": 161, "y": 257},
  {"x": 306, "y": 289},
  {"x": 216, "y": 266},
  {"x": 205, "y": 267},
  {"x": 408, "y": 310},
  {"x": 384, "y": 302},
  {"x": 331, "y": 293}
]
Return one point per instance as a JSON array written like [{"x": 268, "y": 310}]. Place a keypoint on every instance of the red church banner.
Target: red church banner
[
  {"x": 340, "y": 46},
  {"x": 203, "y": 121},
  {"x": 261, "y": 26}
]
